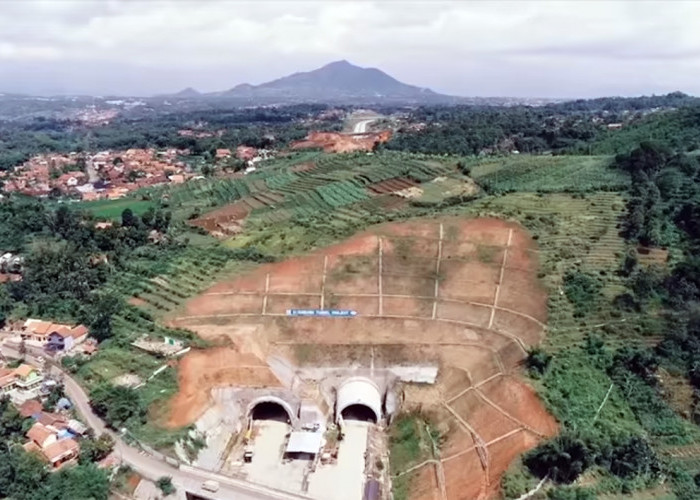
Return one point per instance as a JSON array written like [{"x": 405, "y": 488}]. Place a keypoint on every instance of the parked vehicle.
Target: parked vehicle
[{"x": 210, "y": 485}]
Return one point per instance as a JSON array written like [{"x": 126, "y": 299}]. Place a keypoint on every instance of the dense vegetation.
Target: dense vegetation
[
  {"x": 571, "y": 127},
  {"x": 660, "y": 211},
  {"x": 67, "y": 258}
]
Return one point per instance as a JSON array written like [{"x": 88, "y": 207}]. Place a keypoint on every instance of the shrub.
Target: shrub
[
  {"x": 582, "y": 290},
  {"x": 538, "y": 361},
  {"x": 117, "y": 405},
  {"x": 632, "y": 457},
  {"x": 165, "y": 484},
  {"x": 570, "y": 493}
]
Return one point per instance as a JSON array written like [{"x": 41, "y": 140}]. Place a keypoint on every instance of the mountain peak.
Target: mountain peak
[
  {"x": 188, "y": 92},
  {"x": 337, "y": 81},
  {"x": 339, "y": 64}
]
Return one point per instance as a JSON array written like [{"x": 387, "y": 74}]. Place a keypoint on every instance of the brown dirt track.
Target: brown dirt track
[{"x": 463, "y": 292}]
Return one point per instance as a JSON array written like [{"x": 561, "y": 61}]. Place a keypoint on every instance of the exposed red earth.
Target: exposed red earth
[{"x": 462, "y": 292}]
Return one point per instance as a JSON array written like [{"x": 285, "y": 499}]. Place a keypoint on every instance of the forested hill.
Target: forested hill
[
  {"x": 676, "y": 129},
  {"x": 600, "y": 126},
  {"x": 618, "y": 104}
]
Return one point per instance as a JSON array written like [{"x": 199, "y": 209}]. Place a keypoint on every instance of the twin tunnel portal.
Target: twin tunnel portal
[{"x": 356, "y": 398}]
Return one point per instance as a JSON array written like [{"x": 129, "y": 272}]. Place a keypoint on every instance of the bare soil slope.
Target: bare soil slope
[
  {"x": 333, "y": 142},
  {"x": 463, "y": 292}
]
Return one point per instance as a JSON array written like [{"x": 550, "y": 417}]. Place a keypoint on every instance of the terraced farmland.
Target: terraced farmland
[
  {"x": 150, "y": 297},
  {"x": 549, "y": 174},
  {"x": 360, "y": 183},
  {"x": 575, "y": 233}
]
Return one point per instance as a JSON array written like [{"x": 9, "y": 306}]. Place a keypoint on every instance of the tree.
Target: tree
[
  {"x": 649, "y": 158},
  {"x": 165, "y": 484},
  {"x": 571, "y": 493},
  {"x": 633, "y": 457},
  {"x": 94, "y": 450},
  {"x": 128, "y": 218},
  {"x": 538, "y": 361},
  {"x": 12, "y": 424},
  {"x": 6, "y": 304},
  {"x": 630, "y": 263},
  {"x": 116, "y": 404},
  {"x": 57, "y": 278},
  {"x": 85, "y": 482},
  {"x": 640, "y": 361},
  {"x": 582, "y": 290},
  {"x": 55, "y": 394},
  {"x": 563, "y": 459},
  {"x": 22, "y": 474},
  {"x": 98, "y": 315}
]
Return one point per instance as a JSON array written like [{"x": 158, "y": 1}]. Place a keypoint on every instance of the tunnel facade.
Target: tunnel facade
[{"x": 358, "y": 398}]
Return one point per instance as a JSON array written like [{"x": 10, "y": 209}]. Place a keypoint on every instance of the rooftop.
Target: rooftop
[
  {"x": 61, "y": 449},
  {"x": 39, "y": 433},
  {"x": 304, "y": 442}
]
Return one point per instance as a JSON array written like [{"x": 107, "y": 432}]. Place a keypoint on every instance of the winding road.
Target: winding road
[
  {"x": 361, "y": 126},
  {"x": 185, "y": 478}
]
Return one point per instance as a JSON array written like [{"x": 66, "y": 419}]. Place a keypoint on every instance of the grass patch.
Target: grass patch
[
  {"x": 573, "y": 389},
  {"x": 112, "y": 209},
  {"x": 409, "y": 442},
  {"x": 112, "y": 361}
]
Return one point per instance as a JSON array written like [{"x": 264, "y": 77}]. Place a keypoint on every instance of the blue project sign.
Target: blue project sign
[{"x": 326, "y": 313}]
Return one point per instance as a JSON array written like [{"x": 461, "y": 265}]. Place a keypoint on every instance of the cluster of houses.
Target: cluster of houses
[
  {"x": 56, "y": 337},
  {"x": 250, "y": 155},
  {"x": 103, "y": 175},
  {"x": 96, "y": 117},
  {"x": 52, "y": 435}
]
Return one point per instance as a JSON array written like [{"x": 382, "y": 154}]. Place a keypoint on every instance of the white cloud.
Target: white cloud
[{"x": 460, "y": 47}]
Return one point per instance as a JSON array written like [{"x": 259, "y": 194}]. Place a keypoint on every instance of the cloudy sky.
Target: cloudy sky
[{"x": 526, "y": 49}]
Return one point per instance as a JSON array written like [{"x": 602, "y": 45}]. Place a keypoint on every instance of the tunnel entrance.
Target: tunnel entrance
[
  {"x": 269, "y": 410},
  {"x": 359, "y": 412}
]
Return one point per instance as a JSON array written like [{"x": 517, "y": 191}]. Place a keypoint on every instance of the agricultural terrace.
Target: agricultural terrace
[
  {"x": 548, "y": 174},
  {"x": 351, "y": 187},
  {"x": 460, "y": 292}
]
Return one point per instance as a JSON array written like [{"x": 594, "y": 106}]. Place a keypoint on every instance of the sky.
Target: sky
[{"x": 520, "y": 49}]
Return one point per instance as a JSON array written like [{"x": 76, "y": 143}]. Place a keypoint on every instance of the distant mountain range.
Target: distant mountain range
[{"x": 338, "y": 81}]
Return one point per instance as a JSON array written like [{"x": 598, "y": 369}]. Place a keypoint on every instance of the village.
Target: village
[
  {"x": 102, "y": 175},
  {"x": 55, "y": 433},
  {"x": 114, "y": 174}
]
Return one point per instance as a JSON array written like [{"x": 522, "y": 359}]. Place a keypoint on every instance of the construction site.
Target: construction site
[{"x": 316, "y": 357}]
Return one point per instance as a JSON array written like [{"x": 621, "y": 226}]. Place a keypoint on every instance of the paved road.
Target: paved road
[
  {"x": 361, "y": 126},
  {"x": 184, "y": 477}
]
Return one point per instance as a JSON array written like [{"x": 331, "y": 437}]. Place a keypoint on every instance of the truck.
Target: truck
[{"x": 210, "y": 485}]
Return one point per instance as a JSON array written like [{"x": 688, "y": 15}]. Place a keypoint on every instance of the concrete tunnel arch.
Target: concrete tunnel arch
[
  {"x": 359, "y": 393},
  {"x": 274, "y": 400}
]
